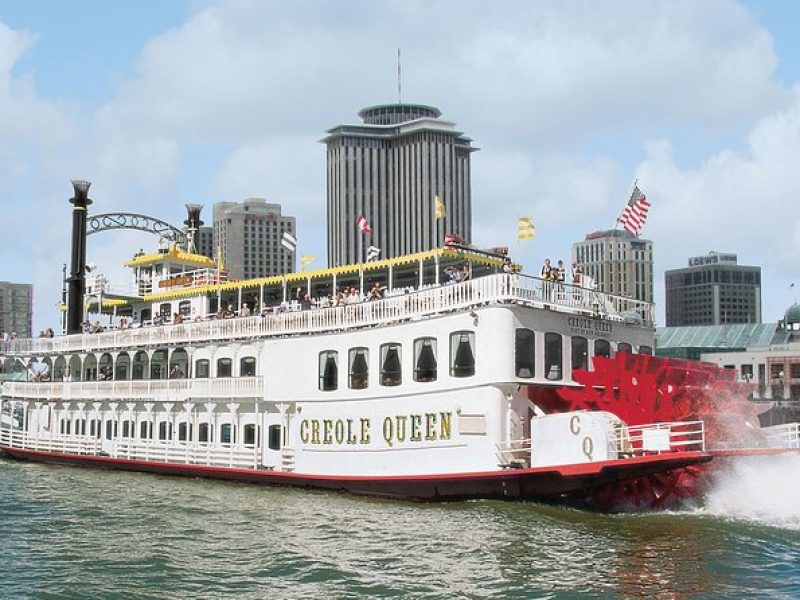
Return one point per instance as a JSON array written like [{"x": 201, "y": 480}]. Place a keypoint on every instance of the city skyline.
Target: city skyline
[{"x": 218, "y": 102}]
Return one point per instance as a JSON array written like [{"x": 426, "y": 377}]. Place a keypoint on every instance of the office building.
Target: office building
[
  {"x": 617, "y": 262},
  {"x": 390, "y": 169},
  {"x": 713, "y": 290},
  {"x": 16, "y": 309},
  {"x": 249, "y": 236}
]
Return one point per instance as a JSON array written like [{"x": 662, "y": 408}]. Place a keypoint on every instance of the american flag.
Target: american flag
[
  {"x": 635, "y": 213},
  {"x": 363, "y": 224}
]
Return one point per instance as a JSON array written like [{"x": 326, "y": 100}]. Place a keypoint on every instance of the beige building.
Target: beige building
[{"x": 618, "y": 262}]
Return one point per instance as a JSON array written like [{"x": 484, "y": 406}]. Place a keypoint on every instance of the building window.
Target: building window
[
  {"x": 328, "y": 370},
  {"x": 358, "y": 369},
  {"x": 524, "y": 353},
  {"x": 391, "y": 367},
  {"x": 624, "y": 347},
  {"x": 202, "y": 368},
  {"x": 224, "y": 367},
  {"x": 602, "y": 348},
  {"x": 580, "y": 353},
  {"x": 462, "y": 354},
  {"x": 553, "y": 354},
  {"x": 747, "y": 372},
  {"x": 247, "y": 366},
  {"x": 425, "y": 363}
]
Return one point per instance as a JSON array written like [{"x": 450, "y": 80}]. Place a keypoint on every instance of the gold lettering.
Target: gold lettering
[
  {"x": 445, "y": 422},
  {"x": 304, "y": 431},
  {"x": 315, "y": 432},
  {"x": 430, "y": 426},
  {"x": 327, "y": 431},
  {"x": 401, "y": 428},
  {"x": 338, "y": 431},
  {"x": 416, "y": 423},
  {"x": 365, "y": 431},
  {"x": 351, "y": 437},
  {"x": 388, "y": 428}
]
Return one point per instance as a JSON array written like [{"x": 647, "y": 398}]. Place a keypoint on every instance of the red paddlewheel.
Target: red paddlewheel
[
  {"x": 660, "y": 490},
  {"x": 642, "y": 389}
]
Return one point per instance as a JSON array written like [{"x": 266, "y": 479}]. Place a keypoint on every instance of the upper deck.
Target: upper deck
[{"x": 420, "y": 304}]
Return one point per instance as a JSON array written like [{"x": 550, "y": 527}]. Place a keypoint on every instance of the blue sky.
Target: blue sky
[{"x": 163, "y": 103}]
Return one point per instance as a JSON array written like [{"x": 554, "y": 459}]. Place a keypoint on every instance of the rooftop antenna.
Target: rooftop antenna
[{"x": 399, "y": 80}]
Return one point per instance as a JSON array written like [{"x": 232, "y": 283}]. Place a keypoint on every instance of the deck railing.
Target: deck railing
[
  {"x": 522, "y": 289},
  {"x": 154, "y": 389},
  {"x": 783, "y": 436}
]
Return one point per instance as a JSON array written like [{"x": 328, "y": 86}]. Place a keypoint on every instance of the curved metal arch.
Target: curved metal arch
[{"x": 109, "y": 221}]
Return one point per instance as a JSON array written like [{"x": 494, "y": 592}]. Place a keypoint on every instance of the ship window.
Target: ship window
[
  {"x": 391, "y": 368},
  {"x": 602, "y": 348},
  {"x": 95, "y": 428},
  {"x": 358, "y": 374},
  {"x": 66, "y": 425},
  {"x": 524, "y": 353},
  {"x": 111, "y": 429},
  {"x": 250, "y": 434},
  {"x": 202, "y": 368},
  {"x": 425, "y": 362},
  {"x": 328, "y": 370},
  {"x": 128, "y": 429},
  {"x": 227, "y": 434},
  {"x": 645, "y": 350},
  {"x": 553, "y": 353},
  {"x": 202, "y": 432},
  {"x": 184, "y": 432},
  {"x": 164, "y": 431},
  {"x": 624, "y": 347},
  {"x": 274, "y": 435},
  {"x": 247, "y": 366},
  {"x": 185, "y": 308},
  {"x": 462, "y": 354},
  {"x": 80, "y": 427},
  {"x": 165, "y": 312},
  {"x": 224, "y": 367},
  {"x": 580, "y": 352},
  {"x": 145, "y": 432}
]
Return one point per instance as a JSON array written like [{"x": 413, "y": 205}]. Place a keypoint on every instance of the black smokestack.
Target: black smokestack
[{"x": 77, "y": 278}]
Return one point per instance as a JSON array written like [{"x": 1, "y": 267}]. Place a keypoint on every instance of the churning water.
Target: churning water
[{"x": 79, "y": 533}]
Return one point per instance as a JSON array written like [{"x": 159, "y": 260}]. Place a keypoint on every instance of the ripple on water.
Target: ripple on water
[{"x": 73, "y": 532}]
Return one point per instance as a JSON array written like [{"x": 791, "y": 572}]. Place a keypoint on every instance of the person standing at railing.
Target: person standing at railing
[{"x": 176, "y": 372}]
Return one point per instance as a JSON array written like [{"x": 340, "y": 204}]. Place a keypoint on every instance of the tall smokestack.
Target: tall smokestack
[{"x": 77, "y": 278}]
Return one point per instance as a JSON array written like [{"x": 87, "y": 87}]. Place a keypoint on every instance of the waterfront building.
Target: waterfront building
[
  {"x": 248, "y": 236},
  {"x": 16, "y": 308},
  {"x": 390, "y": 169},
  {"x": 713, "y": 290},
  {"x": 617, "y": 262}
]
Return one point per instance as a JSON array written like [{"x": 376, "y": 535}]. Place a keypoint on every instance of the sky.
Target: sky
[{"x": 163, "y": 103}]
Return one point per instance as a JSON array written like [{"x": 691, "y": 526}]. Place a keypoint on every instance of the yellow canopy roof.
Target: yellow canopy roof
[
  {"x": 453, "y": 253},
  {"x": 175, "y": 255}
]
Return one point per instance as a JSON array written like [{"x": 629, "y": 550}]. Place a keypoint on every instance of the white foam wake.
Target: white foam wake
[{"x": 765, "y": 489}]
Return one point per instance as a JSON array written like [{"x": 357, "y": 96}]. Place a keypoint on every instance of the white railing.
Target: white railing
[
  {"x": 783, "y": 436},
  {"x": 71, "y": 444},
  {"x": 514, "y": 453},
  {"x": 154, "y": 389},
  {"x": 189, "y": 453},
  {"x": 502, "y": 287},
  {"x": 657, "y": 438}
]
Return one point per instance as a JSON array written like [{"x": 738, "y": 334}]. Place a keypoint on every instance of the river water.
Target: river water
[{"x": 69, "y": 532}]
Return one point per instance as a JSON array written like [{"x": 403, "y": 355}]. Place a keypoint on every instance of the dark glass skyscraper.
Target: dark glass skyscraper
[{"x": 390, "y": 169}]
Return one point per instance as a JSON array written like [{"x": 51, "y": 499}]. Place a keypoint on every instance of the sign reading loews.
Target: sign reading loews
[
  {"x": 712, "y": 258},
  {"x": 394, "y": 430}
]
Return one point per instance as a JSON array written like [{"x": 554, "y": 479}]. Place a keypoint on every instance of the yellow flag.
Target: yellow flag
[
  {"x": 439, "y": 207},
  {"x": 525, "y": 228},
  {"x": 306, "y": 260},
  {"x": 220, "y": 266}
]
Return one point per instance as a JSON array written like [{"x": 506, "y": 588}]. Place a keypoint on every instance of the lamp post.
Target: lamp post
[{"x": 77, "y": 279}]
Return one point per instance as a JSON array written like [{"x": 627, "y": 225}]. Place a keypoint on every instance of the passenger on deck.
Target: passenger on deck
[
  {"x": 306, "y": 303},
  {"x": 376, "y": 293},
  {"x": 244, "y": 311},
  {"x": 560, "y": 272},
  {"x": 177, "y": 319},
  {"x": 546, "y": 272},
  {"x": 576, "y": 274},
  {"x": 176, "y": 372}
]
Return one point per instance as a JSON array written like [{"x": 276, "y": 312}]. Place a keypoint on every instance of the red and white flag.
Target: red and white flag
[
  {"x": 453, "y": 238},
  {"x": 634, "y": 215},
  {"x": 363, "y": 224}
]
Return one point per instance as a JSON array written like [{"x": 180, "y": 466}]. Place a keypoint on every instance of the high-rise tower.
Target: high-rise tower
[{"x": 390, "y": 169}]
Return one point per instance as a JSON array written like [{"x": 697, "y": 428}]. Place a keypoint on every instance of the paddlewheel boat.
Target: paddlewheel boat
[{"x": 497, "y": 386}]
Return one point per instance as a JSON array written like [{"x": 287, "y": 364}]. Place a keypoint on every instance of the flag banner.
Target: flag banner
[
  {"x": 453, "y": 238},
  {"x": 439, "y": 207},
  {"x": 634, "y": 214},
  {"x": 363, "y": 224},
  {"x": 288, "y": 241},
  {"x": 306, "y": 260},
  {"x": 525, "y": 228},
  {"x": 373, "y": 252}
]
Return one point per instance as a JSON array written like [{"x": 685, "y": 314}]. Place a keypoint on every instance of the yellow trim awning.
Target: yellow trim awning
[{"x": 175, "y": 255}]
